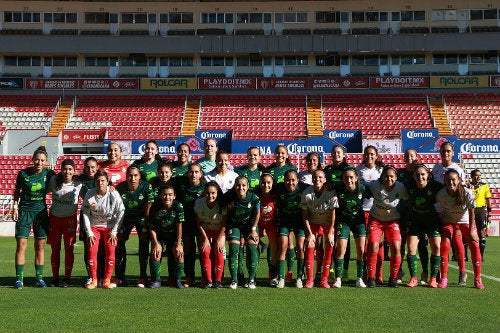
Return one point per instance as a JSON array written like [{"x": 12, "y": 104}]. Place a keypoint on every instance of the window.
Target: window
[
  {"x": 22, "y": 61},
  {"x": 290, "y": 17},
  {"x": 490, "y": 14},
  {"x": 242, "y": 61},
  {"x": 100, "y": 61},
  {"x": 292, "y": 61},
  {"x": 327, "y": 17},
  {"x": 256, "y": 18},
  {"x": 21, "y": 17},
  {"x": 134, "y": 18},
  {"x": 215, "y": 61},
  {"x": 97, "y": 18},
  {"x": 242, "y": 18},
  {"x": 180, "y": 17}
]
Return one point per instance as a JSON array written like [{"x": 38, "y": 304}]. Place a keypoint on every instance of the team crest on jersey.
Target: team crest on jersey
[
  {"x": 249, "y": 205},
  {"x": 124, "y": 169},
  {"x": 141, "y": 197}
]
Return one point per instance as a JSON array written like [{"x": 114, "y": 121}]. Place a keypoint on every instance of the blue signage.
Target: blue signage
[
  {"x": 222, "y": 137},
  {"x": 478, "y": 146},
  {"x": 352, "y": 140},
  {"x": 166, "y": 147}
]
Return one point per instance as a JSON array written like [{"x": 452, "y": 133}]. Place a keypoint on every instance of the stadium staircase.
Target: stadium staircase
[
  {"x": 191, "y": 118},
  {"x": 61, "y": 118},
  {"x": 314, "y": 118},
  {"x": 440, "y": 118}
]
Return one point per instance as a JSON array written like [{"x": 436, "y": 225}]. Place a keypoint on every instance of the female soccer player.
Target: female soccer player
[
  {"x": 458, "y": 215},
  {"x": 483, "y": 207},
  {"x": 388, "y": 194},
  {"x": 253, "y": 169},
  {"x": 65, "y": 188},
  {"x": 446, "y": 152},
  {"x": 114, "y": 166},
  {"x": 423, "y": 219},
  {"x": 165, "y": 228},
  {"x": 188, "y": 189},
  {"x": 313, "y": 163},
  {"x": 268, "y": 223},
  {"x": 148, "y": 163},
  {"x": 290, "y": 224},
  {"x": 221, "y": 174},
  {"x": 137, "y": 196},
  {"x": 164, "y": 176},
  {"x": 318, "y": 206},
  {"x": 102, "y": 214},
  {"x": 350, "y": 217},
  {"x": 211, "y": 223},
  {"x": 207, "y": 162},
  {"x": 243, "y": 209},
  {"x": 281, "y": 165},
  {"x": 29, "y": 209},
  {"x": 180, "y": 166}
]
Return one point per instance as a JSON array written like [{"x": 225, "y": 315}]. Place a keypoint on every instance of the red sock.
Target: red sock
[
  {"x": 445, "y": 251},
  {"x": 55, "y": 258},
  {"x": 395, "y": 264},
  {"x": 371, "y": 263},
  {"x": 319, "y": 258},
  {"x": 380, "y": 262},
  {"x": 327, "y": 262},
  {"x": 207, "y": 264},
  {"x": 310, "y": 263},
  {"x": 219, "y": 265},
  {"x": 69, "y": 259},
  {"x": 458, "y": 246},
  {"x": 476, "y": 258}
]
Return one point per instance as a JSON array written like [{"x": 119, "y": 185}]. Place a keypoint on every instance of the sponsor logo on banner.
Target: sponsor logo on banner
[
  {"x": 420, "y": 134},
  {"x": 164, "y": 147},
  {"x": 227, "y": 83},
  {"x": 479, "y": 147},
  {"x": 282, "y": 83},
  {"x": 399, "y": 82},
  {"x": 169, "y": 83},
  {"x": 11, "y": 83},
  {"x": 83, "y": 84},
  {"x": 340, "y": 83},
  {"x": 459, "y": 81},
  {"x": 82, "y": 136}
]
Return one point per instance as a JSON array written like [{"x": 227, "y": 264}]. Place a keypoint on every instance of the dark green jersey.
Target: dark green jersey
[
  {"x": 87, "y": 184},
  {"x": 179, "y": 170},
  {"x": 148, "y": 170},
  {"x": 253, "y": 176},
  {"x": 187, "y": 195},
  {"x": 334, "y": 172},
  {"x": 135, "y": 201},
  {"x": 279, "y": 173},
  {"x": 289, "y": 203},
  {"x": 164, "y": 221},
  {"x": 351, "y": 204},
  {"x": 421, "y": 202},
  {"x": 33, "y": 188},
  {"x": 241, "y": 211}
]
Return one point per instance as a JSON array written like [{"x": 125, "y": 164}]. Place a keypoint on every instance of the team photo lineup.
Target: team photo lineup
[{"x": 208, "y": 209}]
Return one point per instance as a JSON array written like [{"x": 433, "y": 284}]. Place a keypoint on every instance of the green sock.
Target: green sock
[
  {"x": 339, "y": 267},
  {"x": 300, "y": 267},
  {"x": 156, "y": 268},
  {"x": 412, "y": 264},
  {"x": 281, "y": 269},
  {"x": 39, "y": 272},
  {"x": 290, "y": 256},
  {"x": 435, "y": 262},
  {"x": 179, "y": 270},
  {"x": 360, "y": 268},
  {"x": 234, "y": 250},
  {"x": 19, "y": 272},
  {"x": 241, "y": 254},
  {"x": 252, "y": 260}
]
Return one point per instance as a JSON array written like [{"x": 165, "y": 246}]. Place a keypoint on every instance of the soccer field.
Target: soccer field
[{"x": 349, "y": 309}]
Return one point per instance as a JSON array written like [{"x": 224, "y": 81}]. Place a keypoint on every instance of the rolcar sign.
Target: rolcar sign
[{"x": 470, "y": 148}]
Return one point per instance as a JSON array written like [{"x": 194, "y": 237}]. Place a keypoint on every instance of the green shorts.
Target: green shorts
[
  {"x": 297, "y": 228},
  {"x": 431, "y": 227},
  {"x": 40, "y": 221},
  {"x": 237, "y": 233},
  {"x": 343, "y": 230}
]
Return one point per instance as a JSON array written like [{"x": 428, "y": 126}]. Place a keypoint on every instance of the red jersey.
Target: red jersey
[
  {"x": 117, "y": 173},
  {"x": 268, "y": 207}
]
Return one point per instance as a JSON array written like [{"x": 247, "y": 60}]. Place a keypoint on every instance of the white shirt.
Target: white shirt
[
  {"x": 367, "y": 176},
  {"x": 385, "y": 204},
  {"x": 306, "y": 177},
  {"x": 225, "y": 182},
  {"x": 438, "y": 171},
  {"x": 452, "y": 213},
  {"x": 210, "y": 218},
  {"x": 106, "y": 211},
  {"x": 318, "y": 208},
  {"x": 64, "y": 199}
]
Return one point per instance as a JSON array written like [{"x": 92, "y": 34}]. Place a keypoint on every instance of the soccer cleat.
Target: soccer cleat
[
  {"x": 478, "y": 284},
  {"x": 281, "y": 284},
  {"x": 299, "y": 284},
  {"x": 289, "y": 276},
  {"x": 233, "y": 285},
  {"x": 208, "y": 285},
  {"x": 189, "y": 282},
  {"x": 66, "y": 283},
  {"x": 217, "y": 285},
  {"x": 54, "y": 283},
  {"x": 99, "y": 283},
  {"x": 155, "y": 284},
  {"x": 92, "y": 284},
  {"x": 444, "y": 283},
  {"x": 41, "y": 284},
  {"x": 141, "y": 283},
  {"x": 106, "y": 284},
  {"x": 413, "y": 282},
  {"x": 251, "y": 285},
  {"x": 462, "y": 279},
  {"x": 178, "y": 284},
  {"x": 18, "y": 284},
  {"x": 379, "y": 282},
  {"x": 324, "y": 284},
  {"x": 273, "y": 282},
  {"x": 393, "y": 283},
  {"x": 337, "y": 283},
  {"x": 423, "y": 278},
  {"x": 360, "y": 283},
  {"x": 432, "y": 283},
  {"x": 371, "y": 283},
  {"x": 309, "y": 283}
]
